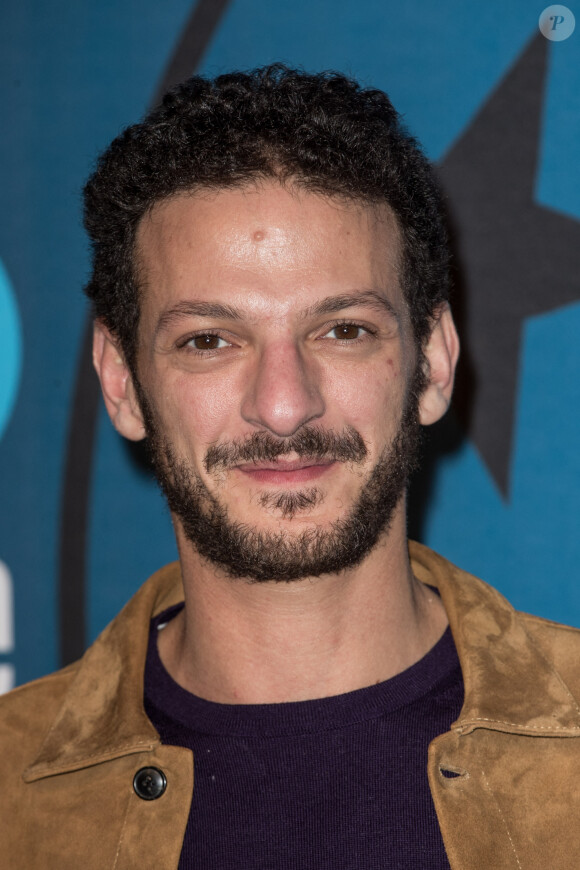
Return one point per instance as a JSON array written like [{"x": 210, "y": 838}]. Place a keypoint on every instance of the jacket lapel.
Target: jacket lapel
[
  {"x": 509, "y": 684},
  {"x": 102, "y": 716}
]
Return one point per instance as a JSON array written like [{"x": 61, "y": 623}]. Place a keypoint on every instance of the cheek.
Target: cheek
[
  {"x": 206, "y": 408},
  {"x": 368, "y": 398}
]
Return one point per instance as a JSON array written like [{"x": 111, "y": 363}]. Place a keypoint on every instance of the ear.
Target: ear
[
  {"x": 442, "y": 353},
  {"x": 117, "y": 385}
]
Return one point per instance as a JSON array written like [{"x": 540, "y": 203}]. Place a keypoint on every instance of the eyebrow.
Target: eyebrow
[
  {"x": 368, "y": 298},
  {"x": 329, "y": 305},
  {"x": 196, "y": 309}
]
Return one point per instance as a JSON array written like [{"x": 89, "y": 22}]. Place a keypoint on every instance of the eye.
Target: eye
[
  {"x": 207, "y": 341},
  {"x": 346, "y": 332}
]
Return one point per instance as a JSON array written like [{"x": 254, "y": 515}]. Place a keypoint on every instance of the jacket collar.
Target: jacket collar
[
  {"x": 509, "y": 684},
  {"x": 102, "y": 716}
]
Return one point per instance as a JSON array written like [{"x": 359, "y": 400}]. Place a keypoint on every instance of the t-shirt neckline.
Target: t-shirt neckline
[{"x": 295, "y": 717}]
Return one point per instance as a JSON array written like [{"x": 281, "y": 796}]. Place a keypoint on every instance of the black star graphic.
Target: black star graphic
[{"x": 516, "y": 258}]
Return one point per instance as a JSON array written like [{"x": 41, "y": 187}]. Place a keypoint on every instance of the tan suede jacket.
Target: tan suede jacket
[{"x": 72, "y": 742}]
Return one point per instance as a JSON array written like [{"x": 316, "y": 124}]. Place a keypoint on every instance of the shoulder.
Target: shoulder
[
  {"x": 559, "y": 643},
  {"x": 482, "y": 619},
  {"x": 27, "y": 712},
  {"x": 88, "y": 688}
]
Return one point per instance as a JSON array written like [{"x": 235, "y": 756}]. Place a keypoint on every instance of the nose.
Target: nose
[{"x": 283, "y": 393}]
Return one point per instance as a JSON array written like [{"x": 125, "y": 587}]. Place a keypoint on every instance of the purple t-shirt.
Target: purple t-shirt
[{"x": 332, "y": 784}]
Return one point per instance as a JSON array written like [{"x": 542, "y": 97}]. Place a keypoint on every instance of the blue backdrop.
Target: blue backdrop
[{"x": 73, "y": 74}]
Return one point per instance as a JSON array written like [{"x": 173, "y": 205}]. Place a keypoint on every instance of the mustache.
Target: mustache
[{"x": 309, "y": 442}]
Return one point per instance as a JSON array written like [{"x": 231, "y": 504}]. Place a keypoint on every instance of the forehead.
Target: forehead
[{"x": 280, "y": 244}]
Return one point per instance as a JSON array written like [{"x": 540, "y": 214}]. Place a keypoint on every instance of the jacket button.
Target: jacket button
[{"x": 149, "y": 783}]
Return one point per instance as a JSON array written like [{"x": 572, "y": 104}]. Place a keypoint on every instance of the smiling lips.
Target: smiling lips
[{"x": 286, "y": 471}]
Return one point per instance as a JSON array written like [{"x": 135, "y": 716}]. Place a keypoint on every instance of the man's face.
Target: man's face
[{"x": 276, "y": 370}]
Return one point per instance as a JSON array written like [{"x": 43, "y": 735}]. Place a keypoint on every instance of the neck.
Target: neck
[{"x": 237, "y": 642}]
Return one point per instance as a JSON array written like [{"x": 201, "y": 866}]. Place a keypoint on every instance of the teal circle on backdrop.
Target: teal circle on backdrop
[{"x": 10, "y": 349}]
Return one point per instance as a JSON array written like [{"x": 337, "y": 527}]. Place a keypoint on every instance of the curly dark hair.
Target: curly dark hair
[{"x": 322, "y": 131}]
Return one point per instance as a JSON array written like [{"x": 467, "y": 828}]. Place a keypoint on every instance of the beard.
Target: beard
[{"x": 244, "y": 551}]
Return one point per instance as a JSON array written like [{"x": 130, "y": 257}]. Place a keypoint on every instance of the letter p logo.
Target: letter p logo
[{"x": 557, "y": 23}]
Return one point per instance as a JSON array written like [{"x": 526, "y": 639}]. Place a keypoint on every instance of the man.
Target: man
[{"x": 270, "y": 295}]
